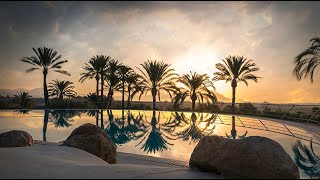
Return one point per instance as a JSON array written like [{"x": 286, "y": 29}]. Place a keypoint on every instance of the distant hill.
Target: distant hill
[{"x": 36, "y": 93}]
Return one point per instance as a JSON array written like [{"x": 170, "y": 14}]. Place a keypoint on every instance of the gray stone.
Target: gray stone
[
  {"x": 15, "y": 138},
  {"x": 250, "y": 157},
  {"x": 92, "y": 139}
]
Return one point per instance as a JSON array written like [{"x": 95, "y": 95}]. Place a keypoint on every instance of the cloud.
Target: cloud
[{"x": 270, "y": 33}]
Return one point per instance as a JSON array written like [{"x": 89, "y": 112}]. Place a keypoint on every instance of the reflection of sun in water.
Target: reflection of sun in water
[{"x": 200, "y": 60}]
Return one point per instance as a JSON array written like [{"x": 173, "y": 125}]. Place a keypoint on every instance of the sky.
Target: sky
[{"x": 191, "y": 36}]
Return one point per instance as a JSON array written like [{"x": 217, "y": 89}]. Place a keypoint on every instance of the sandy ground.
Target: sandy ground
[{"x": 49, "y": 160}]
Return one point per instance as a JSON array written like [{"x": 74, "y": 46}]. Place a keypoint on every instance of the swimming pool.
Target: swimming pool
[{"x": 163, "y": 134}]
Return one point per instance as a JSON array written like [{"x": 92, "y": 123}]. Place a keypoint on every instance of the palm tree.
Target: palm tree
[
  {"x": 61, "y": 89},
  {"x": 23, "y": 99},
  {"x": 45, "y": 60},
  {"x": 93, "y": 99},
  {"x": 133, "y": 87},
  {"x": 236, "y": 69},
  {"x": 103, "y": 64},
  {"x": 196, "y": 87},
  {"x": 92, "y": 71},
  {"x": 124, "y": 73},
  {"x": 113, "y": 79},
  {"x": 307, "y": 60},
  {"x": 157, "y": 77}
]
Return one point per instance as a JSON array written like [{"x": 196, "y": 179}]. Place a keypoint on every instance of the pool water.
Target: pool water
[{"x": 163, "y": 134}]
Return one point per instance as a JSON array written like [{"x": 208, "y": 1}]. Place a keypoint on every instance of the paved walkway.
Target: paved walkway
[{"x": 49, "y": 160}]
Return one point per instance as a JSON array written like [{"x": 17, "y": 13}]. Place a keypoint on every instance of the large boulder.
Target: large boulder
[
  {"x": 92, "y": 139},
  {"x": 250, "y": 157},
  {"x": 15, "y": 138}
]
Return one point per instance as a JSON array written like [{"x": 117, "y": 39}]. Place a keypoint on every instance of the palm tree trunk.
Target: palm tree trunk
[
  {"x": 233, "y": 130},
  {"x": 123, "y": 94},
  {"x": 97, "y": 87},
  {"x": 97, "y": 117},
  {"x": 193, "y": 99},
  {"x": 45, "y": 124},
  {"x": 102, "y": 84},
  {"x": 110, "y": 98},
  {"x": 102, "y": 125},
  {"x": 45, "y": 90},
  {"x": 154, "y": 93},
  {"x": 233, "y": 85},
  {"x": 128, "y": 103}
]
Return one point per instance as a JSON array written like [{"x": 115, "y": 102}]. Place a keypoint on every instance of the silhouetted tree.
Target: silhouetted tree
[
  {"x": 195, "y": 86},
  {"x": 157, "y": 77},
  {"x": 62, "y": 89},
  {"x": 45, "y": 60},
  {"x": 236, "y": 69},
  {"x": 92, "y": 70},
  {"x": 113, "y": 79},
  {"x": 22, "y": 99},
  {"x": 306, "y": 62}
]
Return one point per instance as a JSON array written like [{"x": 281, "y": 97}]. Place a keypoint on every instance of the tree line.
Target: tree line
[{"x": 154, "y": 77}]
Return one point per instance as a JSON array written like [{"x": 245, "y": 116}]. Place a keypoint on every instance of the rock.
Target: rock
[
  {"x": 250, "y": 157},
  {"x": 15, "y": 138},
  {"x": 92, "y": 139}
]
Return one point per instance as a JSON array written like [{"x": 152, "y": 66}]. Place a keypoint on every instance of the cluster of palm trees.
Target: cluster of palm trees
[{"x": 155, "y": 77}]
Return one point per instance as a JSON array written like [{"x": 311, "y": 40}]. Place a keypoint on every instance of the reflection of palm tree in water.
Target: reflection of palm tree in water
[
  {"x": 234, "y": 131},
  {"x": 155, "y": 139},
  {"x": 62, "y": 118},
  {"x": 123, "y": 130},
  {"x": 306, "y": 159},
  {"x": 192, "y": 129},
  {"x": 23, "y": 111},
  {"x": 45, "y": 124},
  {"x": 94, "y": 113}
]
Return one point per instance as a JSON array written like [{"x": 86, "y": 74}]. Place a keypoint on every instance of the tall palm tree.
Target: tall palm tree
[
  {"x": 22, "y": 99},
  {"x": 157, "y": 77},
  {"x": 307, "y": 61},
  {"x": 133, "y": 87},
  {"x": 196, "y": 87},
  {"x": 113, "y": 79},
  {"x": 236, "y": 69},
  {"x": 61, "y": 89},
  {"x": 103, "y": 62},
  {"x": 92, "y": 70},
  {"x": 45, "y": 60},
  {"x": 124, "y": 73}
]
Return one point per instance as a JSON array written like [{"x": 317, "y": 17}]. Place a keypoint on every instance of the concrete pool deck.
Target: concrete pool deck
[{"x": 49, "y": 160}]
